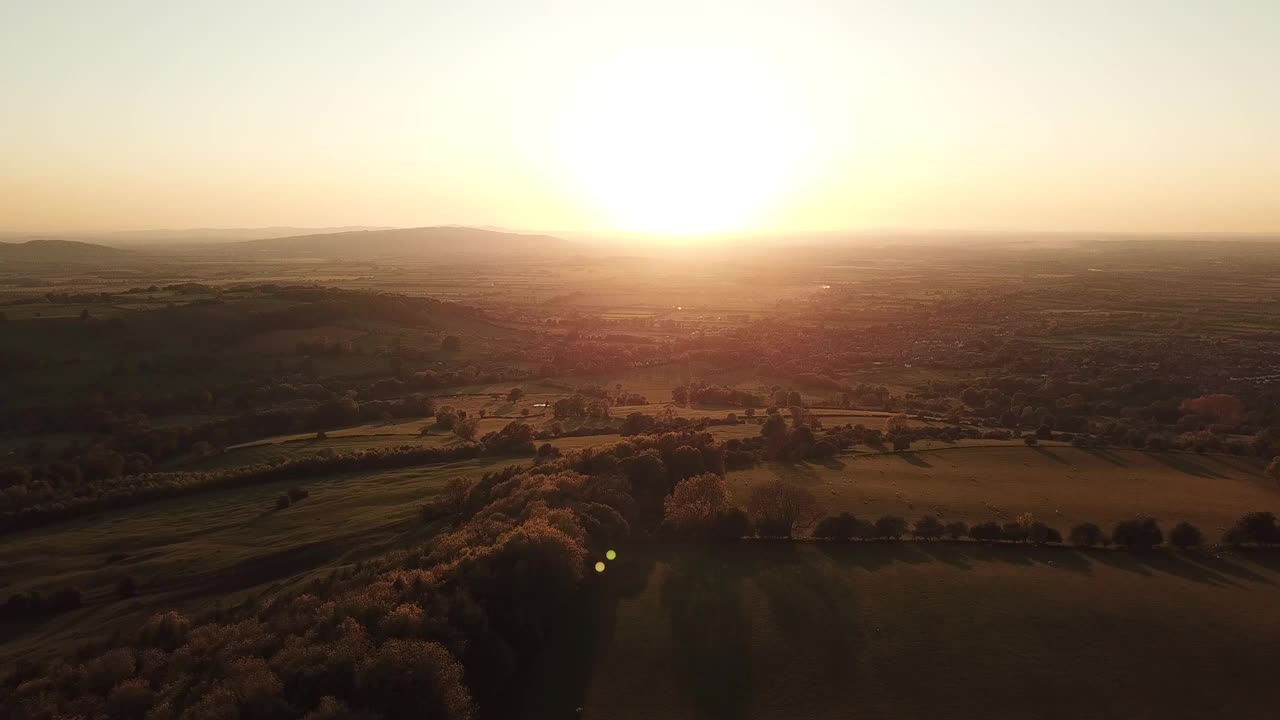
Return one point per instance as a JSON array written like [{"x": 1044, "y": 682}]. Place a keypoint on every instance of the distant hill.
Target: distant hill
[
  {"x": 189, "y": 236},
  {"x": 60, "y": 251},
  {"x": 213, "y": 235},
  {"x": 409, "y": 242}
]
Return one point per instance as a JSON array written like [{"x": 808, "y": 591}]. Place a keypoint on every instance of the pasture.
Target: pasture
[
  {"x": 916, "y": 630},
  {"x": 208, "y": 548},
  {"x": 1060, "y": 485}
]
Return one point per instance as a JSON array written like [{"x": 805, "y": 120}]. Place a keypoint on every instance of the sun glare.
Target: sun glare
[{"x": 681, "y": 143}]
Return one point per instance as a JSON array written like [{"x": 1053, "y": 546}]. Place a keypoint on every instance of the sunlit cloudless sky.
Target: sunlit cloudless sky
[{"x": 676, "y": 117}]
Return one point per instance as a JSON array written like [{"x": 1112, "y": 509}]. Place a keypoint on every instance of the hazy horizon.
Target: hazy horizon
[{"x": 670, "y": 118}]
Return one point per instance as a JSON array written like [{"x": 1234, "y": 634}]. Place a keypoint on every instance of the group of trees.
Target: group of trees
[
  {"x": 434, "y": 631},
  {"x": 1141, "y": 533},
  {"x": 700, "y": 393},
  {"x": 579, "y": 406},
  {"x": 439, "y": 630}
]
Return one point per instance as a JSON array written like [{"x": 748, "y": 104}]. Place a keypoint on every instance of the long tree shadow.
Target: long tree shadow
[
  {"x": 710, "y": 630},
  {"x": 1186, "y": 464},
  {"x": 1046, "y": 452},
  {"x": 1149, "y": 562},
  {"x": 1197, "y": 566},
  {"x": 798, "y": 472},
  {"x": 555, "y": 682},
  {"x": 1268, "y": 558},
  {"x": 1224, "y": 567},
  {"x": 1236, "y": 466},
  {"x": 913, "y": 458},
  {"x": 1108, "y": 456},
  {"x": 815, "y": 610},
  {"x": 967, "y": 554},
  {"x": 873, "y": 555}
]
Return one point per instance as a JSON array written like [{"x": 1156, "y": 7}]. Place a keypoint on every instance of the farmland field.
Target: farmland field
[
  {"x": 149, "y": 419},
  {"x": 211, "y": 547},
  {"x": 918, "y": 631},
  {"x": 1060, "y": 485}
]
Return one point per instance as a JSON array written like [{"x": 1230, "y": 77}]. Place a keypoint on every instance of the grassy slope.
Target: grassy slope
[
  {"x": 920, "y": 631},
  {"x": 210, "y": 545},
  {"x": 1062, "y": 485}
]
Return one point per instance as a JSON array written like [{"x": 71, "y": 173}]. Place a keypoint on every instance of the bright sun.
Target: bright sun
[{"x": 681, "y": 143}]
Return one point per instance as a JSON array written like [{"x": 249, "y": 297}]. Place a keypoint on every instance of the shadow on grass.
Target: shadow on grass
[
  {"x": 710, "y": 629},
  {"x": 911, "y": 457},
  {"x": 812, "y": 604},
  {"x": 1194, "y": 565},
  {"x": 1236, "y": 466},
  {"x": 1046, "y": 452},
  {"x": 1176, "y": 563},
  {"x": 560, "y": 674},
  {"x": 1224, "y": 567},
  {"x": 816, "y": 612},
  {"x": 1107, "y": 455},
  {"x": 1186, "y": 464},
  {"x": 798, "y": 472}
]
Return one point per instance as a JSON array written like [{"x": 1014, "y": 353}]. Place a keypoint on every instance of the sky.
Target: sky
[{"x": 675, "y": 117}]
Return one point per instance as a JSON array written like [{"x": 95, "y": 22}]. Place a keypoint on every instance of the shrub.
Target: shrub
[
  {"x": 1087, "y": 535},
  {"x": 928, "y": 527},
  {"x": 956, "y": 529},
  {"x": 1254, "y": 527},
  {"x": 127, "y": 587},
  {"x": 129, "y": 699},
  {"x": 731, "y": 524},
  {"x": 1039, "y": 533},
  {"x": 891, "y": 526},
  {"x": 780, "y": 508},
  {"x": 987, "y": 532},
  {"x": 465, "y": 428},
  {"x": 283, "y": 502},
  {"x": 692, "y": 508},
  {"x": 897, "y": 423},
  {"x": 514, "y": 438},
  {"x": 1014, "y": 532},
  {"x": 838, "y": 527},
  {"x": 1030, "y": 440},
  {"x": 413, "y": 678},
  {"x": 1186, "y": 535},
  {"x": 297, "y": 493},
  {"x": 1141, "y": 533},
  {"x": 824, "y": 449}
]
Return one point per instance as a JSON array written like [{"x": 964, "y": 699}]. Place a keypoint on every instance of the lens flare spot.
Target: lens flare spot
[
  {"x": 600, "y": 566},
  {"x": 611, "y": 555}
]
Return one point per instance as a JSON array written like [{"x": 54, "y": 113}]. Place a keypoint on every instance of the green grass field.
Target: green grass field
[
  {"x": 209, "y": 547},
  {"x": 1058, "y": 484},
  {"x": 917, "y": 630}
]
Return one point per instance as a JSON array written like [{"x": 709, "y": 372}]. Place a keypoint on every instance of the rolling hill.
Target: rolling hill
[
  {"x": 59, "y": 251},
  {"x": 408, "y": 242}
]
